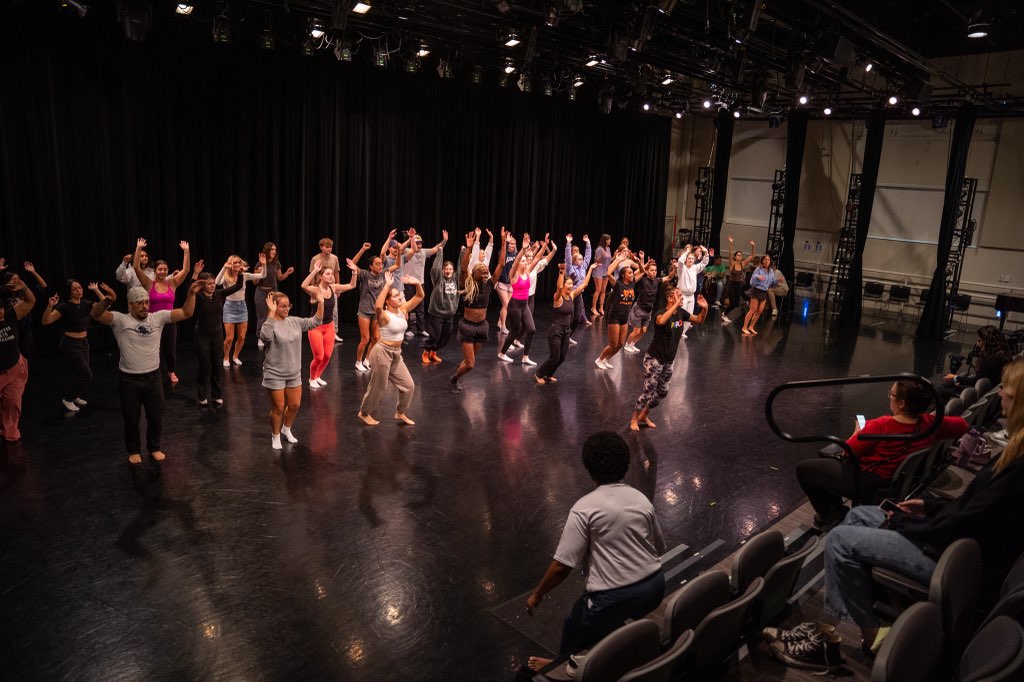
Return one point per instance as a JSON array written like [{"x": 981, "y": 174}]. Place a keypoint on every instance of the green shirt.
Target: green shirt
[{"x": 715, "y": 271}]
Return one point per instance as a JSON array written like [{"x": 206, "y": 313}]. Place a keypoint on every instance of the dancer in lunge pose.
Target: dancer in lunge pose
[
  {"x": 735, "y": 279},
  {"x": 320, "y": 341},
  {"x": 73, "y": 313},
  {"x": 689, "y": 267},
  {"x": 236, "y": 312},
  {"x": 161, "y": 294},
  {"x": 620, "y": 303},
  {"x": 209, "y": 333},
  {"x": 387, "y": 365},
  {"x": 520, "y": 317},
  {"x": 668, "y": 329},
  {"x": 645, "y": 292},
  {"x": 476, "y": 290},
  {"x": 760, "y": 282},
  {"x": 566, "y": 293},
  {"x": 282, "y": 364},
  {"x": 444, "y": 302}
]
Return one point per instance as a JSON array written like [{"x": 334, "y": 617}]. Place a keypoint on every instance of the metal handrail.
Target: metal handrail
[{"x": 845, "y": 381}]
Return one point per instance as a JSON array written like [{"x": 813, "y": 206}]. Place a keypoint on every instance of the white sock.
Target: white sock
[
  {"x": 275, "y": 441},
  {"x": 287, "y": 433}
]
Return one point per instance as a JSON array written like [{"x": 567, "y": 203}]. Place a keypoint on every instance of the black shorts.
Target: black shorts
[
  {"x": 758, "y": 295},
  {"x": 618, "y": 315},
  {"x": 473, "y": 332}
]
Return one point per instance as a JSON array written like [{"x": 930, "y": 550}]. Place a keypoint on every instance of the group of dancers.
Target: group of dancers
[{"x": 392, "y": 309}]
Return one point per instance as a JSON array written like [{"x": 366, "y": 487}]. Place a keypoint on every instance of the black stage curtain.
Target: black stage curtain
[
  {"x": 796, "y": 138},
  {"x": 933, "y": 316},
  {"x": 102, "y": 141},
  {"x": 725, "y": 124},
  {"x": 849, "y": 314}
]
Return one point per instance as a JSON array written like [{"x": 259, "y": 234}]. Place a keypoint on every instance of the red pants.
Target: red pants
[
  {"x": 12, "y": 386},
  {"x": 321, "y": 341}
]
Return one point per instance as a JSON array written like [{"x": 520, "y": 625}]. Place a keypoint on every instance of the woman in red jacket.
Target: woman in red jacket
[{"x": 827, "y": 481}]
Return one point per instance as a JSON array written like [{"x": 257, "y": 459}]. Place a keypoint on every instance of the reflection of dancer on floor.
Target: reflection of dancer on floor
[
  {"x": 668, "y": 330},
  {"x": 386, "y": 363},
  {"x": 476, "y": 290},
  {"x": 566, "y": 293}
]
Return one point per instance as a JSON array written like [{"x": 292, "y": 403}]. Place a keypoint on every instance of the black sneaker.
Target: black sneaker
[
  {"x": 811, "y": 630},
  {"x": 455, "y": 384},
  {"x": 831, "y": 519},
  {"x": 821, "y": 655}
]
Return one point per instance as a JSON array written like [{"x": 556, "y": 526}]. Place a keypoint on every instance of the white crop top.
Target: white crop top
[
  {"x": 246, "y": 277},
  {"x": 394, "y": 330}
]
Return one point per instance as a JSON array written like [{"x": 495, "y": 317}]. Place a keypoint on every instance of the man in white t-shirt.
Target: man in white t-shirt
[
  {"x": 139, "y": 384},
  {"x": 612, "y": 535}
]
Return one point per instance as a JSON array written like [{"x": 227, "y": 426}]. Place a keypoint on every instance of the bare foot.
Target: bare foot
[
  {"x": 633, "y": 425},
  {"x": 552, "y": 380},
  {"x": 753, "y": 331},
  {"x": 402, "y": 418},
  {"x": 135, "y": 459},
  {"x": 540, "y": 381},
  {"x": 158, "y": 456},
  {"x": 650, "y": 424},
  {"x": 745, "y": 332},
  {"x": 367, "y": 419},
  {"x": 536, "y": 663}
]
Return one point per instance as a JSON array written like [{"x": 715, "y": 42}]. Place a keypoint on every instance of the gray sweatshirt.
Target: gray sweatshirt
[
  {"x": 444, "y": 297},
  {"x": 282, "y": 340}
]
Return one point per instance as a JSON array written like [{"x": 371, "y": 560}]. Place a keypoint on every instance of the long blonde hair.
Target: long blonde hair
[
  {"x": 470, "y": 292},
  {"x": 1013, "y": 378},
  {"x": 231, "y": 276}
]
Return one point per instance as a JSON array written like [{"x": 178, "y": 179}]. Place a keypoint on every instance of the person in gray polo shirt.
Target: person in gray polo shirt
[
  {"x": 612, "y": 535},
  {"x": 139, "y": 385}
]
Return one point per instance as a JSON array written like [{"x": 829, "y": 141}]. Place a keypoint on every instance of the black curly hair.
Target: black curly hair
[{"x": 606, "y": 457}]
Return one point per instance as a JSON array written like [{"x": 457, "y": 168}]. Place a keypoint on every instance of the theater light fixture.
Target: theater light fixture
[
  {"x": 667, "y": 80},
  {"x": 577, "y": 81},
  {"x": 827, "y": 111},
  {"x": 424, "y": 50},
  {"x": 316, "y": 29},
  {"x": 803, "y": 99},
  {"x": 679, "y": 114},
  {"x": 893, "y": 100},
  {"x": 915, "y": 111},
  {"x": 593, "y": 60},
  {"x": 707, "y": 104},
  {"x": 736, "y": 114},
  {"x": 184, "y": 8},
  {"x": 646, "y": 106},
  {"x": 476, "y": 75},
  {"x": 977, "y": 27},
  {"x": 511, "y": 39},
  {"x": 510, "y": 66},
  {"x": 361, "y": 7},
  {"x": 868, "y": 67}
]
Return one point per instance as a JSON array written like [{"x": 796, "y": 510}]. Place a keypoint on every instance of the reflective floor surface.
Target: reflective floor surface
[{"x": 388, "y": 552}]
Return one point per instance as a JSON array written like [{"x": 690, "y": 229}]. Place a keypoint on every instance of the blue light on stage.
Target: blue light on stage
[
  {"x": 999, "y": 313},
  {"x": 807, "y": 308}
]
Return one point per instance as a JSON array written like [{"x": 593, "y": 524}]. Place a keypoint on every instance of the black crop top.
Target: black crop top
[
  {"x": 75, "y": 316},
  {"x": 483, "y": 296}
]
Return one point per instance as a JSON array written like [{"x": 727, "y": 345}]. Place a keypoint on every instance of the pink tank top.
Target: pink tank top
[
  {"x": 521, "y": 289},
  {"x": 161, "y": 301}
]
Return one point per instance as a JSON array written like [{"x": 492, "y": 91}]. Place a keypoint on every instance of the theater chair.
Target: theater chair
[
  {"x": 982, "y": 385},
  {"x": 955, "y": 588},
  {"x": 911, "y": 650},
  {"x": 874, "y": 291},
  {"x": 969, "y": 395},
  {"x": 995, "y": 654},
  {"x": 898, "y": 296},
  {"x": 703, "y": 605},
  {"x": 764, "y": 556},
  {"x": 664, "y": 667},
  {"x": 629, "y": 647},
  {"x": 1011, "y": 595}
]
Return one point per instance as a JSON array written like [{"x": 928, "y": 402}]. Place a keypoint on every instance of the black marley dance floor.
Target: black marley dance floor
[{"x": 388, "y": 552}]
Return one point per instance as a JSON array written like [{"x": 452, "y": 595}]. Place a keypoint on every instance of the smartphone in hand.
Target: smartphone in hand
[
  {"x": 888, "y": 505},
  {"x": 861, "y": 421}
]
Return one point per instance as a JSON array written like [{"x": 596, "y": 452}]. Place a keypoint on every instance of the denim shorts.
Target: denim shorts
[{"x": 235, "y": 312}]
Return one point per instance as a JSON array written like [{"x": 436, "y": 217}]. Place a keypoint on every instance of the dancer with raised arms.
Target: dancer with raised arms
[{"x": 476, "y": 291}]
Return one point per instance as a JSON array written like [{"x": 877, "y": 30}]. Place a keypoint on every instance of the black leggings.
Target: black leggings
[
  {"x": 169, "y": 346},
  {"x": 209, "y": 352},
  {"x": 138, "y": 392},
  {"x": 520, "y": 321},
  {"x": 440, "y": 329},
  {"x": 76, "y": 353},
  {"x": 734, "y": 290},
  {"x": 558, "y": 346},
  {"x": 577, "y": 313}
]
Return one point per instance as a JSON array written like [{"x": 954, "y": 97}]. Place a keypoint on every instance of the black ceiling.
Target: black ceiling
[{"x": 706, "y": 47}]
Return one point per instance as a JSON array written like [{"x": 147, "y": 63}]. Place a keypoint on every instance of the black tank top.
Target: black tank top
[{"x": 563, "y": 313}]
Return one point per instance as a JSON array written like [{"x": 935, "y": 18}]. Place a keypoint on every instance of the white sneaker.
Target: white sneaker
[
  {"x": 321, "y": 382},
  {"x": 514, "y": 348},
  {"x": 236, "y": 361},
  {"x": 775, "y": 312},
  {"x": 219, "y": 401},
  {"x": 69, "y": 405},
  {"x": 528, "y": 361},
  {"x": 288, "y": 435},
  {"x": 573, "y": 342},
  {"x": 361, "y": 367},
  {"x": 409, "y": 335},
  {"x": 684, "y": 336},
  {"x": 204, "y": 402},
  {"x": 80, "y": 402},
  {"x": 227, "y": 363},
  {"x": 275, "y": 441},
  {"x": 608, "y": 365},
  {"x": 630, "y": 348},
  {"x": 503, "y": 330},
  {"x": 259, "y": 344},
  {"x": 517, "y": 343},
  {"x": 424, "y": 333},
  {"x": 504, "y": 358},
  {"x": 600, "y": 363},
  {"x": 338, "y": 339},
  {"x": 313, "y": 383}
]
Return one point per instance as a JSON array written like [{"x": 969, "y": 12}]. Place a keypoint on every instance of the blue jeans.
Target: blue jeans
[
  {"x": 598, "y": 614},
  {"x": 853, "y": 549}
]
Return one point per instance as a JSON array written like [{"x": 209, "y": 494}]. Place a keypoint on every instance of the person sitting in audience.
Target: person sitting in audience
[
  {"x": 991, "y": 352},
  {"x": 613, "y": 535},
  {"x": 826, "y": 481},
  {"x": 911, "y": 540}
]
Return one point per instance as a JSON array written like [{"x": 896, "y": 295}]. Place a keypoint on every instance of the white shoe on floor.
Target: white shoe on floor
[
  {"x": 775, "y": 312},
  {"x": 227, "y": 363},
  {"x": 361, "y": 367},
  {"x": 600, "y": 363},
  {"x": 313, "y": 383},
  {"x": 321, "y": 382},
  {"x": 573, "y": 342},
  {"x": 608, "y": 365},
  {"x": 424, "y": 333},
  {"x": 528, "y": 361},
  {"x": 80, "y": 402},
  {"x": 275, "y": 441},
  {"x": 69, "y": 405},
  {"x": 288, "y": 435},
  {"x": 204, "y": 402},
  {"x": 219, "y": 401},
  {"x": 338, "y": 339},
  {"x": 517, "y": 343},
  {"x": 504, "y": 358},
  {"x": 236, "y": 361}
]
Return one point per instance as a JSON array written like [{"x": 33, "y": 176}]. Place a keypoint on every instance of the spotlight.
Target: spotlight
[
  {"x": 707, "y": 104},
  {"x": 577, "y": 81},
  {"x": 868, "y": 67},
  {"x": 915, "y": 111},
  {"x": 827, "y": 111},
  {"x": 552, "y": 18},
  {"x": 444, "y": 69},
  {"x": 361, "y": 7},
  {"x": 803, "y": 99},
  {"x": 736, "y": 114},
  {"x": 978, "y": 26},
  {"x": 679, "y": 114},
  {"x": 184, "y": 8},
  {"x": 667, "y": 80},
  {"x": 893, "y": 100},
  {"x": 424, "y": 50},
  {"x": 316, "y": 29},
  {"x": 510, "y": 66},
  {"x": 646, "y": 106},
  {"x": 511, "y": 39}
]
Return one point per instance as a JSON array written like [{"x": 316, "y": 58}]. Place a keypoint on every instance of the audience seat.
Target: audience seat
[
  {"x": 629, "y": 647},
  {"x": 665, "y": 667},
  {"x": 873, "y": 291},
  {"x": 908, "y": 473},
  {"x": 969, "y": 395},
  {"x": 911, "y": 650},
  {"x": 900, "y": 297},
  {"x": 764, "y": 556},
  {"x": 954, "y": 407},
  {"x": 982, "y": 385},
  {"x": 995, "y": 654}
]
